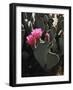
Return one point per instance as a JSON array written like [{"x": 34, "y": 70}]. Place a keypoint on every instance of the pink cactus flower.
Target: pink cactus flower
[
  {"x": 34, "y": 37},
  {"x": 37, "y": 33}
]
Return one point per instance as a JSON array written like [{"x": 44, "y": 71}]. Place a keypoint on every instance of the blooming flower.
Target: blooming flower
[{"x": 35, "y": 35}]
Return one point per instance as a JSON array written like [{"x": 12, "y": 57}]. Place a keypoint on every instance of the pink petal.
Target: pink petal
[
  {"x": 30, "y": 40},
  {"x": 37, "y": 33}
]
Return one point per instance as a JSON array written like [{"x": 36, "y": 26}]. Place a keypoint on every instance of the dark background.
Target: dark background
[{"x": 30, "y": 66}]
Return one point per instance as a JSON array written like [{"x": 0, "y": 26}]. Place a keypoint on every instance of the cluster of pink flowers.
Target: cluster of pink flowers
[{"x": 35, "y": 35}]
